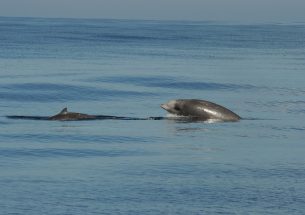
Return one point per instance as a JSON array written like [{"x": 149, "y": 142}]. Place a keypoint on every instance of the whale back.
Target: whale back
[{"x": 64, "y": 115}]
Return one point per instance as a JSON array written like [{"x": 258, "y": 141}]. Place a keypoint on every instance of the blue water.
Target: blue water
[{"x": 128, "y": 68}]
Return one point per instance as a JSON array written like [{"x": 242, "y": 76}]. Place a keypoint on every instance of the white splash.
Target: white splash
[
  {"x": 212, "y": 121},
  {"x": 171, "y": 115}
]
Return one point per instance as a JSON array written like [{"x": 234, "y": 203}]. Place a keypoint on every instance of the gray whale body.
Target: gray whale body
[{"x": 200, "y": 110}]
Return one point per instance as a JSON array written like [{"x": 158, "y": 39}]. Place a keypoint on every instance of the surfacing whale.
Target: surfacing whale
[
  {"x": 65, "y": 115},
  {"x": 200, "y": 110},
  {"x": 189, "y": 109}
]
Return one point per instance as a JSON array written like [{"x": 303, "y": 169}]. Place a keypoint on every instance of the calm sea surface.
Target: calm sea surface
[{"x": 128, "y": 68}]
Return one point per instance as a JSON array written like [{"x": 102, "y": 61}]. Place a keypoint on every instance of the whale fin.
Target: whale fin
[{"x": 64, "y": 111}]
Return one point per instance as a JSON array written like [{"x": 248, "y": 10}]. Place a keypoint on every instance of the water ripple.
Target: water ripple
[
  {"x": 44, "y": 138},
  {"x": 173, "y": 83},
  {"x": 53, "y": 153},
  {"x": 47, "y": 92}
]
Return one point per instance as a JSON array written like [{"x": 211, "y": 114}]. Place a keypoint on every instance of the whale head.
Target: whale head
[{"x": 173, "y": 107}]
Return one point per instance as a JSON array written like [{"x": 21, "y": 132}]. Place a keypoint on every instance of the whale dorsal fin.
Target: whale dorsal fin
[{"x": 64, "y": 111}]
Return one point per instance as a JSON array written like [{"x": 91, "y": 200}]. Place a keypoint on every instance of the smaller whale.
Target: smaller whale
[
  {"x": 200, "y": 110},
  {"x": 65, "y": 115}
]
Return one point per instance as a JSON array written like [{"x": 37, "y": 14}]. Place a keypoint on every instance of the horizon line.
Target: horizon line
[{"x": 164, "y": 20}]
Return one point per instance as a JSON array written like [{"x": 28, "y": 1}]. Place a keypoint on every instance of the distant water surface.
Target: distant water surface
[{"x": 128, "y": 68}]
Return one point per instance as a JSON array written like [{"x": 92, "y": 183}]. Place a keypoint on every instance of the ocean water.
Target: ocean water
[{"x": 128, "y": 68}]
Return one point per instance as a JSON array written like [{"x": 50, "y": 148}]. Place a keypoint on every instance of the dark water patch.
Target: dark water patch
[
  {"x": 78, "y": 153},
  {"x": 173, "y": 83},
  {"x": 46, "y": 92}
]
